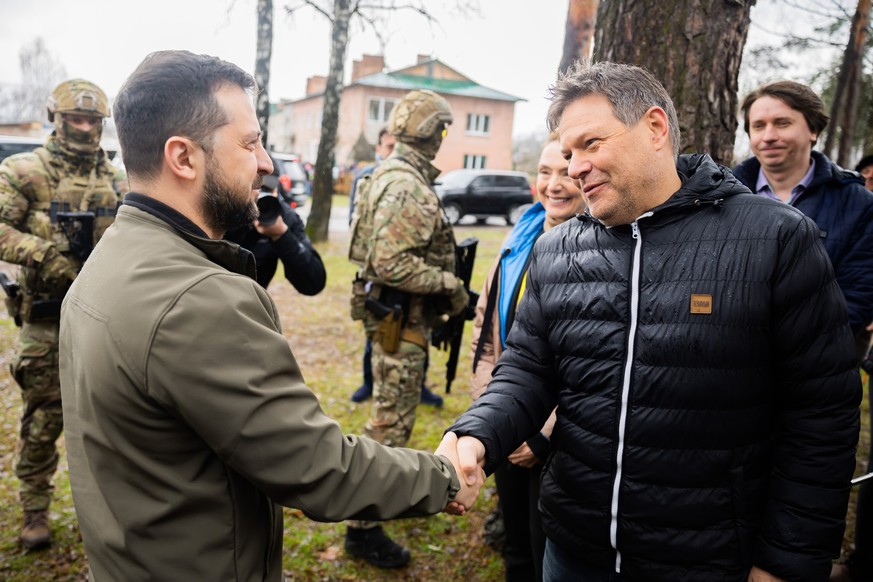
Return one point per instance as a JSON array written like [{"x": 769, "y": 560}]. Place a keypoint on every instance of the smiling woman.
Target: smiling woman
[{"x": 518, "y": 478}]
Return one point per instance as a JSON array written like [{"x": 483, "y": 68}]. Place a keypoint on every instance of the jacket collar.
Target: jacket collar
[
  {"x": 704, "y": 183},
  {"x": 224, "y": 253},
  {"x": 417, "y": 159},
  {"x": 71, "y": 158},
  {"x": 825, "y": 171}
]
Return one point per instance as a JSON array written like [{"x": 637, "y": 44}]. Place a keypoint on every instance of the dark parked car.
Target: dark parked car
[
  {"x": 294, "y": 185},
  {"x": 15, "y": 144},
  {"x": 484, "y": 193}
]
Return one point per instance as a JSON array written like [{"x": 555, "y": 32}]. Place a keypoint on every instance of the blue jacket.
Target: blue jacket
[
  {"x": 513, "y": 263},
  {"x": 842, "y": 208}
]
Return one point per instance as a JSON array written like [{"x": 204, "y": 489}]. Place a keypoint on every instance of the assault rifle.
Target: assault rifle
[
  {"x": 449, "y": 336},
  {"x": 78, "y": 228}
]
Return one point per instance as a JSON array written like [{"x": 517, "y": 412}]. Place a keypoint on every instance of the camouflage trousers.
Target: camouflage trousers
[
  {"x": 397, "y": 382},
  {"x": 36, "y": 371}
]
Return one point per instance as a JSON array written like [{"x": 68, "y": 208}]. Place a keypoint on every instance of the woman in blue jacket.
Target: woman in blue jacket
[{"x": 559, "y": 198}]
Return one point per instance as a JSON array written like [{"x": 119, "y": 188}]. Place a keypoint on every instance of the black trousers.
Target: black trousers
[
  {"x": 519, "y": 493},
  {"x": 864, "y": 513}
]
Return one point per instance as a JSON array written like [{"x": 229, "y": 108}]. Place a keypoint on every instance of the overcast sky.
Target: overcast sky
[{"x": 514, "y": 46}]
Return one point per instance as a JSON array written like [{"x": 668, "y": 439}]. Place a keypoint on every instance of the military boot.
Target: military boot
[
  {"x": 36, "y": 534},
  {"x": 373, "y": 545}
]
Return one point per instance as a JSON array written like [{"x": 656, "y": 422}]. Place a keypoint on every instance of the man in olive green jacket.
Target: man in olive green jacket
[{"x": 188, "y": 424}]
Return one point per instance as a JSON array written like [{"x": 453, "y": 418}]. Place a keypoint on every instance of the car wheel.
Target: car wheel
[
  {"x": 515, "y": 212},
  {"x": 453, "y": 213}
]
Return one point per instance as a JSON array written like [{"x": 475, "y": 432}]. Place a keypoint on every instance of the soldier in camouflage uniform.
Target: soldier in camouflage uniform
[
  {"x": 62, "y": 192},
  {"x": 406, "y": 249}
]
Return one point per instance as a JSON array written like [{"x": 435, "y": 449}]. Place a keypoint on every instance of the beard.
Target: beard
[{"x": 226, "y": 206}]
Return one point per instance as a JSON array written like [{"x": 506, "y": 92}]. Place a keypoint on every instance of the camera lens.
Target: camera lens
[{"x": 268, "y": 208}]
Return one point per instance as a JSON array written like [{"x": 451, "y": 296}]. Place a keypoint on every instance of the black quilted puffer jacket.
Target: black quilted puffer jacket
[{"x": 707, "y": 394}]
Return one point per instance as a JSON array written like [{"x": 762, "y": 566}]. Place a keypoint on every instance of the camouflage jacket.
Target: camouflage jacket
[
  {"x": 34, "y": 187},
  {"x": 411, "y": 246}
]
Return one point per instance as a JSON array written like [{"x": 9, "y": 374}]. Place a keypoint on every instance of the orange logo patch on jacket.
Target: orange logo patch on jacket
[{"x": 701, "y": 303}]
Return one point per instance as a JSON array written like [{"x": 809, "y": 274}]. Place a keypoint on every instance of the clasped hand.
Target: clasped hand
[{"x": 467, "y": 456}]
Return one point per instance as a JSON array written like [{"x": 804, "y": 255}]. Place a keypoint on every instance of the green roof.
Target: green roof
[{"x": 445, "y": 86}]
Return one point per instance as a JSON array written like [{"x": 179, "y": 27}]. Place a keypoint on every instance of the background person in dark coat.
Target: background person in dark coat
[
  {"x": 784, "y": 120},
  {"x": 284, "y": 238},
  {"x": 696, "y": 346}
]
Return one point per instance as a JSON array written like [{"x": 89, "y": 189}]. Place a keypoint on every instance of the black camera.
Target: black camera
[{"x": 268, "y": 208}]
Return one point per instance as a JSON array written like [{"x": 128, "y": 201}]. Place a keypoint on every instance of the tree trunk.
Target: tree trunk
[
  {"x": 844, "y": 108},
  {"x": 322, "y": 188},
  {"x": 578, "y": 32},
  {"x": 264, "y": 53},
  {"x": 867, "y": 94},
  {"x": 694, "y": 48}
]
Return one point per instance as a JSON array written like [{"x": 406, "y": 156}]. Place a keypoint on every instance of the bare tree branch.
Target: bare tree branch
[
  {"x": 809, "y": 10},
  {"x": 289, "y": 10},
  {"x": 798, "y": 40}
]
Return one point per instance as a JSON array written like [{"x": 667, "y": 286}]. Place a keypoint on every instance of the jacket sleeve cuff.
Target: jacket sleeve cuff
[
  {"x": 454, "y": 480},
  {"x": 790, "y": 565},
  {"x": 540, "y": 446}
]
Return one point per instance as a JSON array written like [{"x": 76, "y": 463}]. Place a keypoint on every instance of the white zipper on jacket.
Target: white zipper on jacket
[{"x": 625, "y": 386}]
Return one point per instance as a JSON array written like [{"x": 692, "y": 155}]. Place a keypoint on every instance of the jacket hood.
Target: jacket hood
[{"x": 704, "y": 183}]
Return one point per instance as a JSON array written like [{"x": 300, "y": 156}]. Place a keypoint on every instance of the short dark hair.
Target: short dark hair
[
  {"x": 797, "y": 96},
  {"x": 864, "y": 162},
  {"x": 382, "y": 133},
  {"x": 631, "y": 91},
  {"x": 171, "y": 93}
]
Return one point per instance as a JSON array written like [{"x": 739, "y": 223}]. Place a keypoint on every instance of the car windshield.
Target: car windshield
[
  {"x": 455, "y": 180},
  {"x": 293, "y": 169}
]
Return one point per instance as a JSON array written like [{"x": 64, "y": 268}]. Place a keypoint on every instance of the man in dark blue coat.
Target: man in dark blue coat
[
  {"x": 784, "y": 119},
  {"x": 696, "y": 345}
]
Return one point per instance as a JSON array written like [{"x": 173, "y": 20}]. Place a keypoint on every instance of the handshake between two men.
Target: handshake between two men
[{"x": 467, "y": 456}]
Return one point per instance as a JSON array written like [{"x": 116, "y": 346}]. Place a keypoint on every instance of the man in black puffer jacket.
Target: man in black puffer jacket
[{"x": 697, "y": 347}]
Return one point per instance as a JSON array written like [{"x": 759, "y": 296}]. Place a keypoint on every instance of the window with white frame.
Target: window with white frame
[
  {"x": 379, "y": 109},
  {"x": 472, "y": 162},
  {"x": 478, "y": 123}
]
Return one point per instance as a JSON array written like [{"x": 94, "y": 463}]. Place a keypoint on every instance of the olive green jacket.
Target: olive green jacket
[{"x": 188, "y": 422}]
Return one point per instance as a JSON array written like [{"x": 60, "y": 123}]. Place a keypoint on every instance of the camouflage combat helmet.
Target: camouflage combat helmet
[
  {"x": 419, "y": 116},
  {"x": 78, "y": 96}
]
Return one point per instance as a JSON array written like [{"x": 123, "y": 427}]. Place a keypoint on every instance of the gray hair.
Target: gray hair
[{"x": 630, "y": 90}]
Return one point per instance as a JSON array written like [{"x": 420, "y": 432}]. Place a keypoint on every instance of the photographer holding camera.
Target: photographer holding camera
[{"x": 278, "y": 233}]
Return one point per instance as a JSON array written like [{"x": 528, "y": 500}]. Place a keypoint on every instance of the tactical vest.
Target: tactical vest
[
  {"x": 65, "y": 192},
  {"x": 440, "y": 251}
]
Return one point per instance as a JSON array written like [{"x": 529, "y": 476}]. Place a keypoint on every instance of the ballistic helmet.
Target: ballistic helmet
[
  {"x": 78, "y": 96},
  {"x": 419, "y": 116}
]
